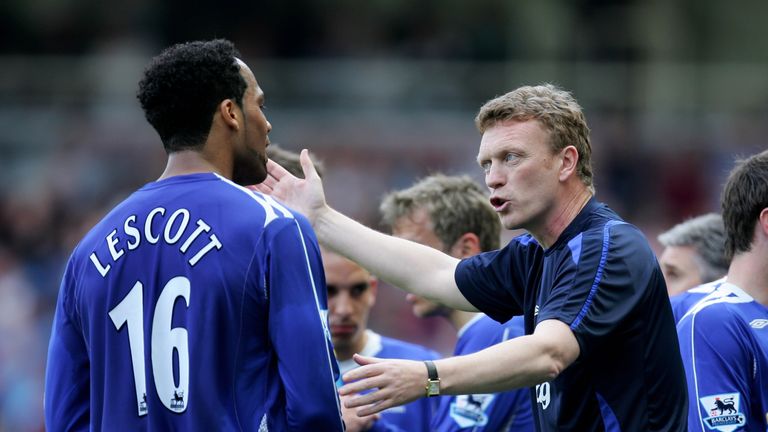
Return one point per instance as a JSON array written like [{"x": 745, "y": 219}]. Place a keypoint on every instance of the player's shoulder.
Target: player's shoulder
[
  {"x": 406, "y": 349},
  {"x": 717, "y": 311},
  {"x": 682, "y": 302}
]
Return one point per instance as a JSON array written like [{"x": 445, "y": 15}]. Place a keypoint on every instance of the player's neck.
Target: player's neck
[
  {"x": 346, "y": 352},
  {"x": 459, "y": 319},
  {"x": 575, "y": 199},
  {"x": 749, "y": 272},
  {"x": 187, "y": 162}
]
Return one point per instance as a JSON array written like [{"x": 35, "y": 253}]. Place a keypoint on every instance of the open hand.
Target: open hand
[
  {"x": 303, "y": 195},
  {"x": 396, "y": 382}
]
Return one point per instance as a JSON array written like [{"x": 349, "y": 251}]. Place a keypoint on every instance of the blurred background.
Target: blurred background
[{"x": 383, "y": 91}]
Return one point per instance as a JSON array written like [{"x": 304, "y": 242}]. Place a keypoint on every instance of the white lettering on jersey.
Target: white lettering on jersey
[
  {"x": 157, "y": 228},
  {"x": 542, "y": 395},
  {"x": 133, "y": 232}
]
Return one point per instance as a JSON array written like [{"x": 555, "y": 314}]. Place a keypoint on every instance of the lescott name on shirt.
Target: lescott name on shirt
[{"x": 195, "y": 240}]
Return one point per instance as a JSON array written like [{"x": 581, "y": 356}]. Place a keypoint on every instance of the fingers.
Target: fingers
[
  {"x": 363, "y": 360},
  {"x": 373, "y": 409},
  {"x": 359, "y": 386},
  {"x": 275, "y": 170},
  {"x": 356, "y": 374},
  {"x": 369, "y": 404},
  {"x": 306, "y": 164},
  {"x": 262, "y": 188}
]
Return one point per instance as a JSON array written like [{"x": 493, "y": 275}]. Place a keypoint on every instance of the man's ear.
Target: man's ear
[
  {"x": 762, "y": 221},
  {"x": 570, "y": 160},
  {"x": 230, "y": 113},
  {"x": 466, "y": 246}
]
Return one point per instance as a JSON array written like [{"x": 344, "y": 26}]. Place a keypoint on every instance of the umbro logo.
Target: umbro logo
[
  {"x": 759, "y": 323},
  {"x": 536, "y": 310}
]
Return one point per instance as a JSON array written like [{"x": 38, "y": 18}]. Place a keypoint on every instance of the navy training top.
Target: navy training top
[{"x": 602, "y": 279}]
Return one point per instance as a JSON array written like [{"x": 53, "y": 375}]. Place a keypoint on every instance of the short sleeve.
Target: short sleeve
[
  {"x": 593, "y": 291},
  {"x": 494, "y": 282}
]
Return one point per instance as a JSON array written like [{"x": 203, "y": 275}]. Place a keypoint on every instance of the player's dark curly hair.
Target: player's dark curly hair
[{"x": 183, "y": 86}]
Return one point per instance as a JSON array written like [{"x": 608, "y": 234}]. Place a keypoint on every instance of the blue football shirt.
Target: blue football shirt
[
  {"x": 493, "y": 412},
  {"x": 724, "y": 343},
  {"x": 181, "y": 310},
  {"x": 683, "y": 302},
  {"x": 602, "y": 279}
]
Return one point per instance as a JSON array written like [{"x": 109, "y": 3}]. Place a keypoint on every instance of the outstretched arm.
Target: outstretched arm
[
  {"x": 519, "y": 362},
  {"x": 413, "y": 267}
]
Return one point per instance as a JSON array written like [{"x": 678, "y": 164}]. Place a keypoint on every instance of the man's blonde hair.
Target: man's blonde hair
[{"x": 555, "y": 109}]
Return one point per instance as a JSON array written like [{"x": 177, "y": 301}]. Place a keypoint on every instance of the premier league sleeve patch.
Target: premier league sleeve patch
[
  {"x": 469, "y": 410},
  {"x": 723, "y": 412}
]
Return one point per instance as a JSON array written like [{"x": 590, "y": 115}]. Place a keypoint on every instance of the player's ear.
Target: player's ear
[
  {"x": 229, "y": 113},
  {"x": 762, "y": 221},
  {"x": 466, "y": 246},
  {"x": 570, "y": 159}
]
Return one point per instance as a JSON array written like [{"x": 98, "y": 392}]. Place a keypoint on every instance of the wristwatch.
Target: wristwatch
[{"x": 433, "y": 382}]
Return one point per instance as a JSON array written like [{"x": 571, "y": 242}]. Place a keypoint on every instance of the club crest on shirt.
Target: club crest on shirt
[
  {"x": 723, "y": 410},
  {"x": 469, "y": 410}
]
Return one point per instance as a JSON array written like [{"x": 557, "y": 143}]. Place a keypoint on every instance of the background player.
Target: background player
[
  {"x": 694, "y": 253},
  {"x": 452, "y": 215},
  {"x": 724, "y": 337},
  {"x": 180, "y": 308},
  {"x": 351, "y": 295}
]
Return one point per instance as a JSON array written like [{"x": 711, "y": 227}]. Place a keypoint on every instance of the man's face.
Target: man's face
[
  {"x": 418, "y": 227},
  {"x": 351, "y": 295},
  {"x": 250, "y": 163},
  {"x": 521, "y": 172},
  {"x": 681, "y": 269}
]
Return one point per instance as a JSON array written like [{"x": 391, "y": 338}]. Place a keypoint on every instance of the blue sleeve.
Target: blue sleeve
[
  {"x": 679, "y": 304},
  {"x": 718, "y": 356},
  {"x": 299, "y": 331},
  {"x": 494, "y": 282},
  {"x": 67, "y": 380}
]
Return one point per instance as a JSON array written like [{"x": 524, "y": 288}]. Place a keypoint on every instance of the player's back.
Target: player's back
[{"x": 182, "y": 310}]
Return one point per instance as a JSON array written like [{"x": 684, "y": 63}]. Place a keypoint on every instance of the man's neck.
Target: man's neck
[
  {"x": 346, "y": 353},
  {"x": 558, "y": 220},
  {"x": 188, "y": 162},
  {"x": 749, "y": 272}
]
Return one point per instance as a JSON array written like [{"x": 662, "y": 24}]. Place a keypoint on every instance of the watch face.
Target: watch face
[{"x": 433, "y": 387}]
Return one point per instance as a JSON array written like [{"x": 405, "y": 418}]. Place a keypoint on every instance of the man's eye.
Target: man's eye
[
  {"x": 510, "y": 157},
  {"x": 486, "y": 166}
]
